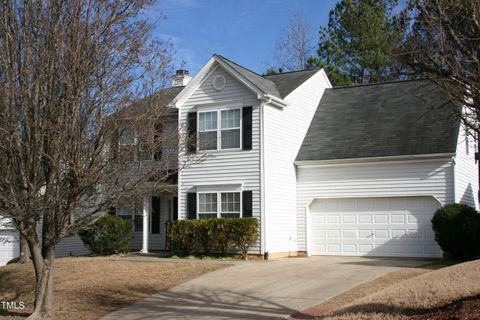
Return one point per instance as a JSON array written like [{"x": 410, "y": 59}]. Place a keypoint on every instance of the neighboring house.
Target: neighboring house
[{"x": 355, "y": 170}]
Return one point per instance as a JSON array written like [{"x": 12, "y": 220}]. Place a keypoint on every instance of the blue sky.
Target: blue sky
[{"x": 242, "y": 30}]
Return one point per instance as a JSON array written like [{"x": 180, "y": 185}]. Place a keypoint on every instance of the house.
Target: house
[{"x": 356, "y": 170}]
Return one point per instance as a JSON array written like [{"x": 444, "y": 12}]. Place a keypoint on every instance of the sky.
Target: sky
[{"x": 244, "y": 31}]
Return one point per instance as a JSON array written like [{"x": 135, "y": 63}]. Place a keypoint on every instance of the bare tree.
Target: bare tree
[
  {"x": 442, "y": 43},
  {"x": 294, "y": 45},
  {"x": 73, "y": 143}
]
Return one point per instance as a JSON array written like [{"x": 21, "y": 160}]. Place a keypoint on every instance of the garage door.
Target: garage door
[
  {"x": 9, "y": 246},
  {"x": 397, "y": 226}
]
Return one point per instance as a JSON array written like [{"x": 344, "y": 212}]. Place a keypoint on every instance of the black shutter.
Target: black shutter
[
  {"x": 247, "y": 204},
  {"x": 175, "y": 209},
  {"x": 192, "y": 132},
  {"x": 247, "y": 128},
  {"x": 191, "y": 205},
  {"x": 155, "y": 215},
  {"x": 158, "y": 141}
]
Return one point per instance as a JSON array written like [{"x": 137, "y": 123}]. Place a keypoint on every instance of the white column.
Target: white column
[{"x": 146, "y": 223}]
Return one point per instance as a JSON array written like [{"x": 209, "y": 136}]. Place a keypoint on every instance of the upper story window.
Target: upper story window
[
  {"x": 208, "y": 130},
  {"x": 215, "y": 137}
]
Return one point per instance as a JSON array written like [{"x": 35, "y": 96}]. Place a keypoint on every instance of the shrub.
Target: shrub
[
  {"x": 457, "y": 230},
  {"x": 244, "y": 234},
  {"x": 182, "y": 237},
  {"x": 217, "y": 234},
  {"x": 108, "y": 235}
]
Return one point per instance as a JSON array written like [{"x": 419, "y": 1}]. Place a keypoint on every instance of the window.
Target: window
[
  {"x": 132, "y": 212},
  {"x": 230, "y": 129},
  {"x": 228, "y": 134},
  {"x": 229, "y": 205},
  {"x": 207, "y": 205},
  {"x": 207, "y": 130},
  {"x": 128, "y": 136}
]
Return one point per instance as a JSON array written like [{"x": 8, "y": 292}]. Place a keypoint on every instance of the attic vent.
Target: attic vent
[{"x": 219, "y": 82}]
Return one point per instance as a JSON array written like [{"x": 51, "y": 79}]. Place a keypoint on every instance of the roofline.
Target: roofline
[
  {"x": 429, "y": 156},
  {"x": 287, "y": 72},
  {"x": 379, "y": 83}
]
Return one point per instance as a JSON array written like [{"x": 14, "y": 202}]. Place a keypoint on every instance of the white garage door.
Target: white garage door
[
  {"x": 397, "y": 226},
  {"x": 9, "y": 246}
]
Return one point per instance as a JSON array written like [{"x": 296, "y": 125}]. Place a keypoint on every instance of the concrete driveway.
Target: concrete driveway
[{"x": 262, "y": 290}]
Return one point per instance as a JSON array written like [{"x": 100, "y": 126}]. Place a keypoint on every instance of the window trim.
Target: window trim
[
  {"x": 219, "y": 202},
  {"x": 219, "y": 129},
  {"x": 133, "y": 214}
]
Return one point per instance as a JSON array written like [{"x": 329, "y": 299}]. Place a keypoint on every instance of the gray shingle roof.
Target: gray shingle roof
[
  {"x": 278, "y": 85},
  {"x": 289, "y": 81},
  {"x": 257, "y": 80},
  {"x": 386, "y": 119}
]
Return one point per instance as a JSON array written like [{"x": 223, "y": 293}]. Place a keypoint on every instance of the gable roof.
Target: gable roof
[
  {"x": 289, "y": 81},
  {"x": 380, "y": 120},
  {"x": 265, "y": 85},
  {"x": 272, "y": 87}
]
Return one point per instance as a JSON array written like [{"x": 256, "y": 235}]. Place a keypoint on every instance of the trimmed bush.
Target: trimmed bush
[
  {"x": 244, "y": 233},
  {"x": 457, "y": 230},
  {"x": 108, "y": 235},
  {"x": 182, "y": 237},
  {"x": 214, "y": 234}
]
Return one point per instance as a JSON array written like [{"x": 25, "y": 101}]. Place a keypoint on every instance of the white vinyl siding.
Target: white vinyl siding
[
  {"x": 222, "y": 167},
  {"x": 285, "y": 130},
  {"x": 466, "y": 171},
  {"x": 406, "y": 178}
]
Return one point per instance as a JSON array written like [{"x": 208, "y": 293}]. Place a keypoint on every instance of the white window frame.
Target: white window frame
[
  {"x": 133, "y": 209},
  {"x": 219, "y": 203},
  {"x": 128, "y": 143},
  {"x": 219, "y": 129}
]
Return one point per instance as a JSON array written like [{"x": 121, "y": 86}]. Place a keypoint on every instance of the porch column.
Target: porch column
[{"x": 146, "y": 223}]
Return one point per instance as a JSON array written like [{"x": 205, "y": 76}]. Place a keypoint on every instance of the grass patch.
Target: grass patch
[
  {"x": 430, "y": 293},
  {"x": 89, "y": 288}
]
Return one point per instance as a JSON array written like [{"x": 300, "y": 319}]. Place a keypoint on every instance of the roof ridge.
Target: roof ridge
[
  {"x": 287, "y": 72},
  {"x": 379, "y": 83},
  {"x": 235, "y": 63}
]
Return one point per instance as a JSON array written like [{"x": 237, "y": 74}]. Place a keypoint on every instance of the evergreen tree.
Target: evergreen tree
[{"x": 355, "y": 46}]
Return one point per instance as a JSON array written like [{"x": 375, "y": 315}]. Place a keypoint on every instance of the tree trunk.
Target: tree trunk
[
  {"x": 43, "y": 265},
  {"x": 23, "y": 250}
]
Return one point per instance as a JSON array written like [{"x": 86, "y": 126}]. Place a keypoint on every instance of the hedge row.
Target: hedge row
[{"x": 213, "y": 235}]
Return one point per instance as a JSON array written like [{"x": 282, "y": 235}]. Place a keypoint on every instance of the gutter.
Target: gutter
[
  {"x": 374, "y": 159},
  {"x": 274, "y": 101}
]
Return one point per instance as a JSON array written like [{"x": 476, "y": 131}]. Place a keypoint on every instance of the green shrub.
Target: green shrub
[
  {"x": 182, "y": 237},
  {"x": 457, "y": 230},
  {"x": 108, "y": 235},
  {"x": 244, "y": 234},
  {"x": 219, "y": 233},
  {"x": 213, "y": 234}
]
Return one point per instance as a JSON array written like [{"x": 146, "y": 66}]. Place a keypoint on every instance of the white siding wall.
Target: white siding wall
[
  {"x": 466, "y": 171},
  {"x": 407, "y": 178},
  {"x": 223, "y": 167},
  {"x": 285, "y": 130}
]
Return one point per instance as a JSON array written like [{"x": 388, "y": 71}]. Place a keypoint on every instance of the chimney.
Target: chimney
[{"x": 182, "y": 78}]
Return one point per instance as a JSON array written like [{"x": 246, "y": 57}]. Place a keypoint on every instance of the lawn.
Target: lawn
[
  {"x": 89, "y": 288},
  {"x": 448, "y": 293}
]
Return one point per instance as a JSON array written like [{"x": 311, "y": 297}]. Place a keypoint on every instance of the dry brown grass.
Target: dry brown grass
[
  {"x": 415, "y": 296},
  {"x": 88, "y": 288}
]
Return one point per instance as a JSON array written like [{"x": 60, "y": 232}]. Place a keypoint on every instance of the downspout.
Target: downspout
[
  {"x": 263, "y": 241},
  {"x": 454, "y": 167}
]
